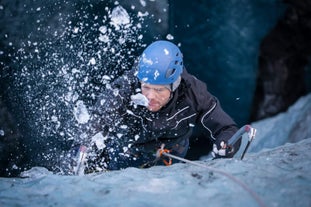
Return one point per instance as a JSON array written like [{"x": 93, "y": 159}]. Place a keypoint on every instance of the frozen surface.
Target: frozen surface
[
  {"x": 279, "y": 176},
  {"x": 292, "y": 126}
]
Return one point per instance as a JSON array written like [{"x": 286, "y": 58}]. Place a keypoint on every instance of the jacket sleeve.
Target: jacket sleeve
[{"x": 218, "y": 124}]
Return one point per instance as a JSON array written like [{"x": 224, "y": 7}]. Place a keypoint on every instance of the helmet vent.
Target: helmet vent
[{"x": 170, "y": 72}]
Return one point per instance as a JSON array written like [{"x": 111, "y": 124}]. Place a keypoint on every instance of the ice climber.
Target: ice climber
[{"x": 157, "y": 102}]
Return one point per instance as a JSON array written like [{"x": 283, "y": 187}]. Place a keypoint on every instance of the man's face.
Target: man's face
[{"x": 157, "y": 95}]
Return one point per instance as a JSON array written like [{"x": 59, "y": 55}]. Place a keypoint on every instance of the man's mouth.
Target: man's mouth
[{"x": 153, "y": 103}]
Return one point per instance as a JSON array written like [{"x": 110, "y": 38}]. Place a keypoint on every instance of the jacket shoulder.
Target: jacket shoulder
[{"x": 195, "y": 89}]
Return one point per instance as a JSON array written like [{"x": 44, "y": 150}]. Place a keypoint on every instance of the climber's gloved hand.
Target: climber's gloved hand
[{"x": 222, "y": 150}]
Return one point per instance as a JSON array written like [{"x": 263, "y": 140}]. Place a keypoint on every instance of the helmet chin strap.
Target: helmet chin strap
[
  {"x": 171, "y": 96},
  {"x": 175, "y": 85}
]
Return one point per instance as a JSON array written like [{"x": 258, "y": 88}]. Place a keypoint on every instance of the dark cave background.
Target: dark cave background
[{"x": 254, "y": 55}]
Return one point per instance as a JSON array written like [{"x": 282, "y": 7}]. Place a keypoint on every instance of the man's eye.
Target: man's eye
[{"x": 159, "y": 89}]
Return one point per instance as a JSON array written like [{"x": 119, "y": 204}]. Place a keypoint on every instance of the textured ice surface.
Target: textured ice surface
[{"x": 280, "y": 177}]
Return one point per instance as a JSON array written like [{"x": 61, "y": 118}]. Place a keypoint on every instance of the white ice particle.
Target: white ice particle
[
  {"x": 106, "y": 77},
  {"x": 103, "y": 38},
  {"x": 140, "y": 14},
  {"x": 75, "y": 30},
  {"x": 103, "y": 29},
  {"x": 123, "y": 126},
  {"x": 92, "y": 61},
  {"x": 146, "y": 60},
  {"x": 143, "y": 3},
  {"x": 136, "y": 137},
  {"x": 169, "y": 37}
]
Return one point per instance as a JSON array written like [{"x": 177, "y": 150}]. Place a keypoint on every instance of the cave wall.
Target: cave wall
[
  {"x": 221, "y": 46},
  {"x": 285, "y": 53}
]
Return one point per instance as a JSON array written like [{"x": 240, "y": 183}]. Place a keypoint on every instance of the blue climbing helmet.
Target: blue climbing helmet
[{"x": 161, "y": 63}]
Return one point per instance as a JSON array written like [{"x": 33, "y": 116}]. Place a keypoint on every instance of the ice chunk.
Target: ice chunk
[
  {"x": 119, "y": 17},
  {"x": 36, "y": 173},
  {"x": 139, "y": 99},
  {"x": 99, "y": 140},
  {"x": 81, "y": 113}
]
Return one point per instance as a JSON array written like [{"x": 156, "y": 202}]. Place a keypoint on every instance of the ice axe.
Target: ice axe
[{"x": 245, "y": 129}]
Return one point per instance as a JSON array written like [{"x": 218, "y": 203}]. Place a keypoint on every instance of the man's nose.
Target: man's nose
[{"x": 151, "y": 94}]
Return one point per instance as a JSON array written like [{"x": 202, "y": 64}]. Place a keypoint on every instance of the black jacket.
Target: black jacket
[{"x": 133, "y": 132}]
